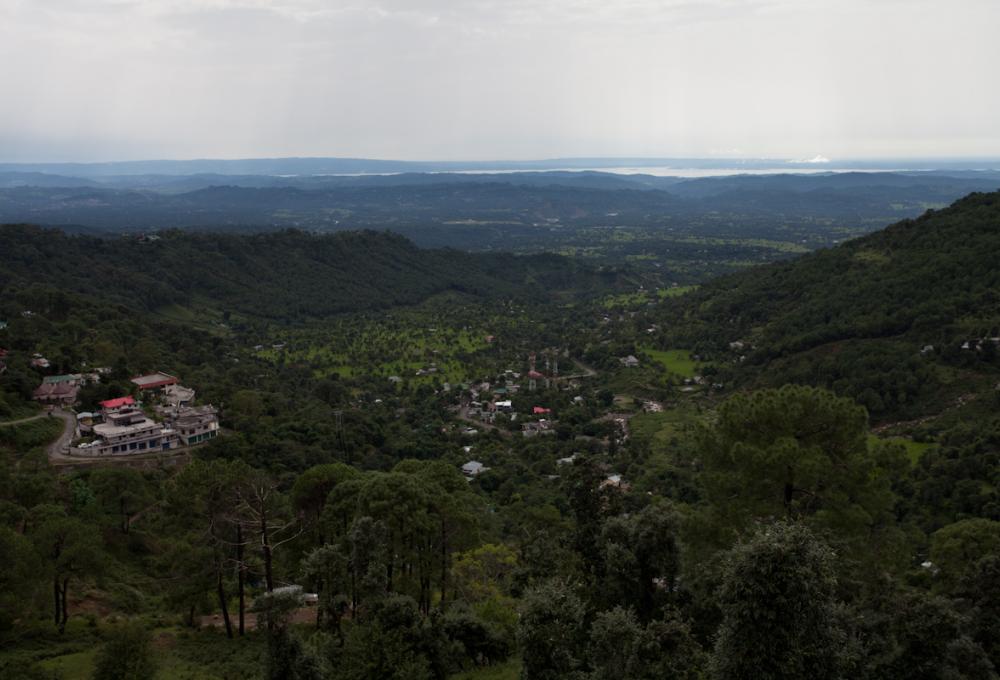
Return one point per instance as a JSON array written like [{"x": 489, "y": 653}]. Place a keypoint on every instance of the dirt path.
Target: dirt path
[
  {"x": 11, "y": 423},
  {"x": 588, "y": 372},
  {"x": 909, "y": 424}
]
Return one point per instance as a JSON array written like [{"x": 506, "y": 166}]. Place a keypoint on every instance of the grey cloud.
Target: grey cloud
[{"x": 491, "y": 78}]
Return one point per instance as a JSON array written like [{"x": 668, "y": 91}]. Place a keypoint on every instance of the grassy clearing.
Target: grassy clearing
[
  {"x": 77, "y": 666},
  {"x": 677, "y": 361},
  {"x": 675, "y": 291},
  {"x": 914, "y": 450},
  {"x": 180, "y": 654},
  {"x": 198, "y": 314},
  {"x": 626, "y": 300},
  {"x": 661, "y": 429}
]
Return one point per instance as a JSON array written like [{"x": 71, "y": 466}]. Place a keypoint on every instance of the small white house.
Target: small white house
[{"x": 473, "y": 468}]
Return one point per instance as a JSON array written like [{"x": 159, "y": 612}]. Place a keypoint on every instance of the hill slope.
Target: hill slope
[
  {"x": 904, "y": 320},
  {"x": 283, "y": 275}
]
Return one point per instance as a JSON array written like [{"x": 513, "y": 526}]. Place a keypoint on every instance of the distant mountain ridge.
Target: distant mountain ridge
[
  {"x": 410, "y": 202},
  {"x": 335, "y": 165}
]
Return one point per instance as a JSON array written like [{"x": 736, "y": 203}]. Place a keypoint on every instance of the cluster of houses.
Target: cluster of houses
[
  {"x": 488, "y": 412},
  {"x": 63, "y": 390},
  {"x": 121, "y": 427}
]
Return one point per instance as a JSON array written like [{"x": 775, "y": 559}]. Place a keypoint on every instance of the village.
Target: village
[
  {"x": 491, "y": 405},
  {"x": 161, "y": 416}
]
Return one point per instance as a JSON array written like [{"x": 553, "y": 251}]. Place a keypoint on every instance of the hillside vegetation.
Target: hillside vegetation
[
  {"x": 515, "y": 467},
  {"x": 283, "y": 275},
  {"x": 902, "y": 320}
]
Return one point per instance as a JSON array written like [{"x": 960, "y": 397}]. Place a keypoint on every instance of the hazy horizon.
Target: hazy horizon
[
  {"x": 596, "y": 163},
  {"x": 103, "y": 80}
]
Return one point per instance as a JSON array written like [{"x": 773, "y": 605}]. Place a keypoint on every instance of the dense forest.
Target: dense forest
[
  {"x": 280, "y": 275},
  {"x": 905, "y": 320},
  {"x": 789, "y": 472}
]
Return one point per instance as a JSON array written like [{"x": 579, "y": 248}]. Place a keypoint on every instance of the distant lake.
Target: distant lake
[{"x": 668, "y": 171}]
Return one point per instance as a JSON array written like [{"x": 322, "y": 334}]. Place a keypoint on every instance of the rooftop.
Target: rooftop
[
  {"x": 117, "y": 403},
  {"x": 56, "y": 390},
  {"x": 105, "y": 430},
  {"x": 195, "y": 415},
  {"x": 154, "y": 380},
  {"x": 60, "y": 378}
]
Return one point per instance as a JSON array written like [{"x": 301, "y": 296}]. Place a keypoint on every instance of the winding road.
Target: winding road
[{"x": 59, "y": 449}]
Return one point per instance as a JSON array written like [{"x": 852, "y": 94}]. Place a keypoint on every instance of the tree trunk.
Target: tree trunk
[
  {"x": 444, "y": 563},
  {"x": 58, "y": 601},
  {"x": 266, "y": 548},
  {"x": 241, "y": 576},
  {"x": 222, "y": 603},
  {"x": 425, "y": 594},
  {"x": 65, "y": 611},
  {"x": 354, "y": 594},
  {"x": 789, "y": 493}
]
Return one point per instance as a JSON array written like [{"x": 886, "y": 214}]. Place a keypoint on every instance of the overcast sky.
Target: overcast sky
[{"x": 498, "y": 79}]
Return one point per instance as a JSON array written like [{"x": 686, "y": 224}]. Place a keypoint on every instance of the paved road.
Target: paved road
[{"x": 60, "y": 447}]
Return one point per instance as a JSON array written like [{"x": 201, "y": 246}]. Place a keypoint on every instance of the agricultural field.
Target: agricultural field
[
  {"x": 443, "y": 340},
  {"x": 677, "y": 362},
  {"x": 675, "y": 291},
  {"x": 641, "y": 298}
]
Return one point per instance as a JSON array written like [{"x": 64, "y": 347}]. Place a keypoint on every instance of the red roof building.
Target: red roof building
[
  {"x": 541, "y": 410},
  {"x": 113, "y": 404}
]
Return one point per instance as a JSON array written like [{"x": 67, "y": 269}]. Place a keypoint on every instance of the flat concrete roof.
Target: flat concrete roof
[{"x": 158, "y": 379}]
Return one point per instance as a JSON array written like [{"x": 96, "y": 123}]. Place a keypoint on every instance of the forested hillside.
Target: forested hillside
[
  {"x": 898, "y": 320},
  {"x": 484, "y": 467},
  {"x": 282, "y": 275}
]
